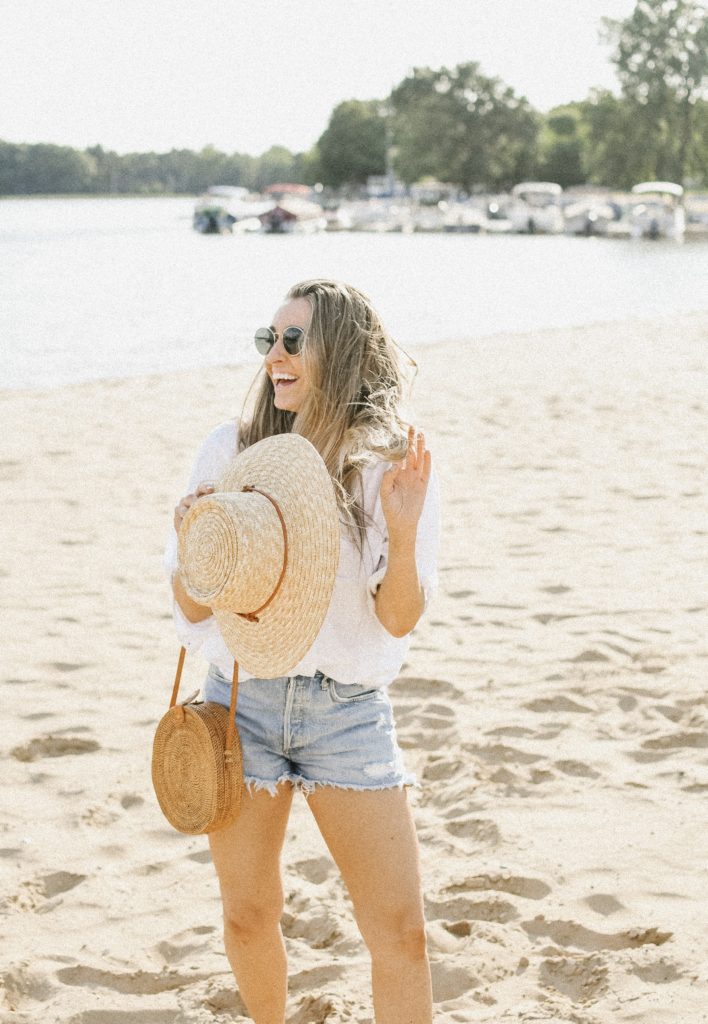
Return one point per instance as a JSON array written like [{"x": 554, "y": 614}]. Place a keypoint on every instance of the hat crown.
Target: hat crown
[
  {"x": 235, "y": 561},
  {"x": 236, "y": 549}
]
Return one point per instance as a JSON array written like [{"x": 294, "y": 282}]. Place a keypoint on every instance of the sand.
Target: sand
[{"x": 553, "y": 701}]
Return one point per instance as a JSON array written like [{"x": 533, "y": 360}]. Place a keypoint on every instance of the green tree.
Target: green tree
[
  {"x": 661, "y": 55},
  {"x": 277, "y": 164},
  {"x": 353, "y": 145},
  {"x": 461, "y": 126},
  {"x": 561, "y": 146}
]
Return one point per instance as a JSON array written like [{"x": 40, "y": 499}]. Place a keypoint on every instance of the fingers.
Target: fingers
[
  {"x": 416, "y": 454},
  {"x": 181, "y": 510}
]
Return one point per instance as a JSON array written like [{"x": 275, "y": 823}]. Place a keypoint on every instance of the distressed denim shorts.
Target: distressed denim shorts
[{"x": 313, "y": 731}]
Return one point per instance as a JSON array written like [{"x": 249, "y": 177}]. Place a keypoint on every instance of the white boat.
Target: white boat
[
  {"x": 590, "y": 216},
  {"x": 660, "y": 212},
  {"x": 535, "y": 208}
]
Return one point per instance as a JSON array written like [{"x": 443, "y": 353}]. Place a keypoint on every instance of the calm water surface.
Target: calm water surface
[{"x": 93, "y": 288}]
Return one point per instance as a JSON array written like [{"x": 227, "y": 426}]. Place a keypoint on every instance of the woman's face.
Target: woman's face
[{"x": 280, "y": 366}]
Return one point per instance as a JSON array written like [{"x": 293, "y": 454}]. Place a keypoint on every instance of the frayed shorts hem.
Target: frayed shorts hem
[{"x": 308, "y": 786}]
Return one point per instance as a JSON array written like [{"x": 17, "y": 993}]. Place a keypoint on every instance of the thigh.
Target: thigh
[
  {"x": 372, "y": 838},
  {"x": 247, "y": 853}
]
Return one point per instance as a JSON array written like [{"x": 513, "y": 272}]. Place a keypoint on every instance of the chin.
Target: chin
[{"x": 287, "y": 405}]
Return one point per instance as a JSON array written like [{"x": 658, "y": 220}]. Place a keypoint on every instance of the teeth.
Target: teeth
[{"x": 283, "y": 376}]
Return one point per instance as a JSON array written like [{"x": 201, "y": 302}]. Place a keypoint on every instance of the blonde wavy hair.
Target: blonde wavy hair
[{"x": 351, "y": 410}]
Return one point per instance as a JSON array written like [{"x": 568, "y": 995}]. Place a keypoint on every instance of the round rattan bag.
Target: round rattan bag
[{"x": 197, "y": 765}]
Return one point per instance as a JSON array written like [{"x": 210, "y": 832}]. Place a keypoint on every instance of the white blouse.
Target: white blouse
[{"x": 352, "y": 645}]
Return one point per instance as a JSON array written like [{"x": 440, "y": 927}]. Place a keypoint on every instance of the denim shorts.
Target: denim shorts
[{"x": 313, "y": 731}]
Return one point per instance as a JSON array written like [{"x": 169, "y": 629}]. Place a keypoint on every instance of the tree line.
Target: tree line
[{"x": 456, "y": 125}]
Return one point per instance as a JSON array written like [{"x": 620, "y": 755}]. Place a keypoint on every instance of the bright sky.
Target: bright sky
[{"x": 157, "y": 74}]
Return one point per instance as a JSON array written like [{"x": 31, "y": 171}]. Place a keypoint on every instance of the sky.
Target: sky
[{"x": 138, "y": 75}]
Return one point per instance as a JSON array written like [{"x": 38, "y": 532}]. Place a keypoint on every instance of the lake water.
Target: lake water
[{"x": 94, "y": 288}]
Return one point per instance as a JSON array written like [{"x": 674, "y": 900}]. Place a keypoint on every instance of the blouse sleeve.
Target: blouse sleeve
[
  {"x": 427, "y": 543},
  {"x": 213, "y": 458}
]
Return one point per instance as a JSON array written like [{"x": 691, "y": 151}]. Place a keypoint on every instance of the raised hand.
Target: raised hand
[{"x": 404, "y": 486}]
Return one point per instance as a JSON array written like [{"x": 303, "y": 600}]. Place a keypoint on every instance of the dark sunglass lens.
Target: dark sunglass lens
[
  {"x": 264, "y": 340},
  {"x": 293, "y": 338}
]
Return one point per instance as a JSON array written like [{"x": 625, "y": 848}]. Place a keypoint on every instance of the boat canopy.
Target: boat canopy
[
  {"x": 547, "y": 187},
  {"x": 665, "y": 187}
]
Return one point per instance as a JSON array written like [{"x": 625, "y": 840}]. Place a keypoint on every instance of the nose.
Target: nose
[{"x": 277, "y": 352}]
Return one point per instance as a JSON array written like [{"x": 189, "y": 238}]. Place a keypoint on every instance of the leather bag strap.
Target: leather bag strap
[{"x": 231, "y": 728}]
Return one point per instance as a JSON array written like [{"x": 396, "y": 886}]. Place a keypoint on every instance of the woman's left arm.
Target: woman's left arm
[{"x": 400, "y": 600}]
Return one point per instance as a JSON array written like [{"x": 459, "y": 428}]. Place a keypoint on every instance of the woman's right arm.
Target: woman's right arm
[{"x": 192, "y": 611}]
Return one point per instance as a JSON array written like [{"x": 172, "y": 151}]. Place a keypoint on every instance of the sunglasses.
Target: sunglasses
[{"x": 293, "y": 340}]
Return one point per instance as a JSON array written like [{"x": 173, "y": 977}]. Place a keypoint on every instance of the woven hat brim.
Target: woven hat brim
[{"x": 290, "y": 470}]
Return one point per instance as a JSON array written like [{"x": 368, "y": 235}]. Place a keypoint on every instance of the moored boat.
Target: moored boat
[{"x": 660, "y": 212}]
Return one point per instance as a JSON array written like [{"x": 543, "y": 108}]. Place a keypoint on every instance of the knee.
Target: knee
[
  {"x": 246, "y": 921},
  {"x": 397, "y": 937}
]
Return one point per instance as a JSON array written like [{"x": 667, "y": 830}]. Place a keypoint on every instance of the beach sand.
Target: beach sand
[{"x": 553, "y": 702}]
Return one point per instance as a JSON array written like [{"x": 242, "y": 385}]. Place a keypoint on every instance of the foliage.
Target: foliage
[
  {"x": 562, "y": 143},
  {"x": 353, "y": 145},
  {"x": 661, "y": 55},
  {"x": 461, "y": 126},
  {"x": 32, "y": 169}
]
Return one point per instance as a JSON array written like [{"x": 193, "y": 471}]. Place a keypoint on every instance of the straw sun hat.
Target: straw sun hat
[{"x": 268, "y": 579}]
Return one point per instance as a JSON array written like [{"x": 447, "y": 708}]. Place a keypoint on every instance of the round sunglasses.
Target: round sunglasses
[{"x": 293, "y": 340}]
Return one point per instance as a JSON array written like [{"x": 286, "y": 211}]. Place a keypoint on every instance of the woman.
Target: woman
[{"x": 330, "y": 373}]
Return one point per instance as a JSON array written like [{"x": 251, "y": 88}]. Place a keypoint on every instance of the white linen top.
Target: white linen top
[{"x": 352, "y": 645}]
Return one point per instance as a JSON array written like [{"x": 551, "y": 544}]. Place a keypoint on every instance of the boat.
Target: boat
[
  {"x": 590, "y": 215},
  {"x": 535, "y": 208},
  {"x": 293, "y": 216},
  {"x": 226, "y": 208},
  {"x": 660, "y": 212}
]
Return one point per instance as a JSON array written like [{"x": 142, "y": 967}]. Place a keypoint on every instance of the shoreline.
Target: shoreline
[
  {"x": 552, "y": 704},
  {"x": 690, "y": 319}
]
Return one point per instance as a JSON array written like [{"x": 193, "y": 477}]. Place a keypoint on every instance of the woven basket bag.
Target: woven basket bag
[{"x": 197, "y": 765}]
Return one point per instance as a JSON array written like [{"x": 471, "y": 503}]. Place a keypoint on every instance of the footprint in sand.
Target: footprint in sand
[
  {"x": 569, "y": 933},
  {"x": 559, "y": 703},
  {"x": 696, "y": 740},
  {"x": 137, "y": 983},
  {"x": 481, "y": 829},
  {"x": 659, "y": 973},
  {"x": 123, "y": 1017},
  {"x": 415, "y": 689},
  {"x": 462, "y": 910},
  {"x": 604, "y": 903},
  {"x": 451, "y": 980},
  {"x": 517, "y": 885},
  {"x": 441, "y": 769},
  {"x": 318, "y": 1010},
  {"x": 315, "y": 869},
  {"x": 317, "y": 977},
  {"x": 35, "y": 894},
  {"x": 222, "y": 998},
  {"x": 582, "y": 979},
  {"x": 184, "y": 944},
  {"x": 319, "y": 928},
  {"x": 200, "y": 856},
  {"x": 53, "y": 746},
  {"x": 129, "y": 800},
  {"x": 22, "y": 984},
  {"x": 577, "y": 768}
]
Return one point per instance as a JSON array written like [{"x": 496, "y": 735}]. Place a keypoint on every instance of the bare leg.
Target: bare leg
[
  {"x": 247, "y": 860},
  {"x": 372, "y": 838}
]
